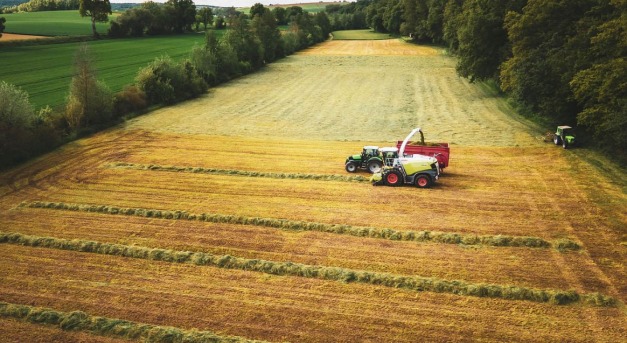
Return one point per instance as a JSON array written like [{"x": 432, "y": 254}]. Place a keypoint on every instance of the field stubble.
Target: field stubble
[{"x": 501, "y": 181}]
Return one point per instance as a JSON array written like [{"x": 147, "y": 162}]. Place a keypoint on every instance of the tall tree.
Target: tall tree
[
  {"x": 182, "y": 14},
  {"x": 265, "y": 27},
  {"x": 97, "y": 10},
  {"x": 90, "y": 101},
  {"x": 483, "y": 43},
  {"x": 2, "y": 21},
  {"x": 550, "y": 44},
  {"x": 257, "y": 10},
  {"x": 206, "y": 16},
  {"x": 601, "y": 89}
]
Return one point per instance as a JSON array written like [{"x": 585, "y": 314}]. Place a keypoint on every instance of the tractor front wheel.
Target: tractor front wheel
[
  {"x": 351, "y": 167},
  {"x": 393, "y": 178},
  {"x": 565, "y": 144},
  {"x": 374, "y": 166},
  {"x": 423, "y": 181}
]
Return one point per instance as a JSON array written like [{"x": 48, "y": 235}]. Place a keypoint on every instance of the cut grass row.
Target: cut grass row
[
  {"x": 415, "y": 283},
  {"x": 81, "y": 321},
  {"x": 247, "y": 173},
  {"x": 359, "y": 231}
]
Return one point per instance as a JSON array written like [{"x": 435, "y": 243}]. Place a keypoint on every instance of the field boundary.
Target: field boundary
[
  {"x": 358, "y": 231},
  {"x": 413, "y": 283},
  {"x": 103, "y": 326},
  {"x": 234, "y": 172}
]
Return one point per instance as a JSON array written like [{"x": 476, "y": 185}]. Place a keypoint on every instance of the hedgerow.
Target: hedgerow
[
  {"x": 285, "y": 224},
  {"x": 81, "y": 321},
  {"x": 415, "y": 283},
  {"x": 216, "y": 171}
]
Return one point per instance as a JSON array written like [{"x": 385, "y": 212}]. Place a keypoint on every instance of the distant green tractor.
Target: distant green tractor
[
  {"x": 564, "y": 136},
  {"x": 369, "y": 159}
]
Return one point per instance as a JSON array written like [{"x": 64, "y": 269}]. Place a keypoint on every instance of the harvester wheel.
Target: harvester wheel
[
  {"x": 374, "y": 166},
  {"x": 351, "y": 167},
  {"x": 393, "y": 178},
  {"x": 557, "y": 139},
  {"x": 423, "y": 181}
]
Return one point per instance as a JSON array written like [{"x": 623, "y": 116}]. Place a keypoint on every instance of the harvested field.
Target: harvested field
[
  {"x": 13, "y": 36},
  {"x": 230, "y": 156},
  {"x": 308, "y": 309}
]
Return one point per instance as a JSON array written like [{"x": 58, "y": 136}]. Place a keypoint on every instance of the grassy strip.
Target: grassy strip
[
  {"x": 81, "y": 321},
  {"x": 414, "y": 283},
  {"x": 200, "y": 170},
  {"x": 359, "y": 231}
]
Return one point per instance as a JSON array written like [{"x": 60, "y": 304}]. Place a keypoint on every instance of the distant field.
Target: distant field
[
  {"x": 309, "y": 7},
  {"x": 44, "y": 71},
  {"x": 52, "y": 23},
  {"x": 359, "y": 35}
]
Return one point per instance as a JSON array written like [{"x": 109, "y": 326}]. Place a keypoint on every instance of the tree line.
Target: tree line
[
  {"x": 41, "y": 5},
  {"x": 249, "y": 43},
  {"x": 560, "y": 60}
]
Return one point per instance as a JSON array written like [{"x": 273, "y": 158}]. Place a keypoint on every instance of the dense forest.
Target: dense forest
[{"x": 562, "y": 61}]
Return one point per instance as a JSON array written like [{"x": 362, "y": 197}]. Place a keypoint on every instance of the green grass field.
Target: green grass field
[
  {"x": 44, "y": 71},
  {"x": 359, "y": 35},
  {"x": 53, "y": 23}
]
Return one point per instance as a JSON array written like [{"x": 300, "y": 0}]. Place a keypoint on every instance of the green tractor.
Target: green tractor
[
  {"x": 564, "y": 136},
  {"x": 369, "y": 159}
]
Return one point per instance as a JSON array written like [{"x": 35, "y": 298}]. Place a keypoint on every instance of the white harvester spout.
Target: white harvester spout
[{"x": 422, "y": 140}]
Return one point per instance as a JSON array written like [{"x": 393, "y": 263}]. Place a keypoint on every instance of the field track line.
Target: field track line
[
  {"x": 414, "y": 283},
  {"x": 358, "y": 231},
  {"x": 215, "y": 171},
  {"x": 102, "y": 326}
]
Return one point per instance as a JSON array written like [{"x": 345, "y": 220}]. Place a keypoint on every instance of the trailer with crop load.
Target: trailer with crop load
[{"x": 441, "y": 151}]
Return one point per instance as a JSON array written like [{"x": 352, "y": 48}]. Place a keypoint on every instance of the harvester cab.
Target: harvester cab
[
  {"x": 421, "y": 171},
  {"x": 369, "y": 159},
  {"x": 389, "y": 156},
  {"x": 565, "y": 135}
]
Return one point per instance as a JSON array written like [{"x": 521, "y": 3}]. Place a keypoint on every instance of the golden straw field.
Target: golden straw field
[{"x": 203, "y": 217}]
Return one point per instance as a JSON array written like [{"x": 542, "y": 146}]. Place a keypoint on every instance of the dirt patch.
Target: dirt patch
[{"x": 13, "y": 36}]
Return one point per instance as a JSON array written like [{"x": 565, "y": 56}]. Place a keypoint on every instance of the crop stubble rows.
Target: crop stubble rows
[{"x": 494, "y": 187}]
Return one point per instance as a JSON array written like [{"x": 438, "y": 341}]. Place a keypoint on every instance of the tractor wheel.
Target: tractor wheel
[
  {"x": 374, "y": 166},
  {"x": 557, "y": 140},
  {"x": 423, "y": 181},
  {"x": 565, "y": 144},
  {"x": 393, "y": 178},
  {"x": 351, "y": 167}
]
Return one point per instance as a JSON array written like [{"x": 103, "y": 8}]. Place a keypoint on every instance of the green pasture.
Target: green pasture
[
  {"x": 52, "y": 23},
  {"x": 366, "y": 34},
  {"x": 45, "y": 71}
]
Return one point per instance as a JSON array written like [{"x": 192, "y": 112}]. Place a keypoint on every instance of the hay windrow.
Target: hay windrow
[
  {"x": 285, "y": 224},
  {"x": 233, "y": 172},
  {"x": 415, "y": 283},
  {"x": 81, "y": 321}
]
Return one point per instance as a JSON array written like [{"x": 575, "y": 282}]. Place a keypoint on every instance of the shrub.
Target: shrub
[
  {"x": 131, "y": 99},
  {"x": 165, "y": 81}
]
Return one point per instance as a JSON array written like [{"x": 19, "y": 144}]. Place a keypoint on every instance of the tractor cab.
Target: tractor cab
[
  {"x": 370, "y": 159},
  {"x": 369, "y": 152},
  {"x": 565, "y": 135},
  {"x": 389, "y": 156}
]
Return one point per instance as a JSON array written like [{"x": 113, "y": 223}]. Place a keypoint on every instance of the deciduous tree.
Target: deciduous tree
[{"x": 97, "y": 10}]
